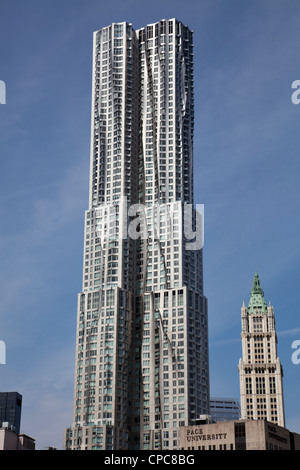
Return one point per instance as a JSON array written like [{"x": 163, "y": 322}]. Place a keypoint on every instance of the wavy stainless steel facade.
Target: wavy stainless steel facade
[{"x": 142, "y": 343}]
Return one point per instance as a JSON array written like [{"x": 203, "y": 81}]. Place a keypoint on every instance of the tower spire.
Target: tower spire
[{"x": 257, "y": 299}]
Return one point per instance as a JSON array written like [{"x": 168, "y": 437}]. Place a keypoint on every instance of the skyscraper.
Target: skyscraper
[
  {"x": 10, "y": 409},
  {"x": 142, "y": 344},
  {"x": 260, "y": 368}
]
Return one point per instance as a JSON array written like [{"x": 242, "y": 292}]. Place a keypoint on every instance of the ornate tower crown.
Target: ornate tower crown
[{"x": 257, "y": 303}]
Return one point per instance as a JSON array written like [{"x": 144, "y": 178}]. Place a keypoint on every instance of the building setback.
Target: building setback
[{"x": 141, "y": 368}]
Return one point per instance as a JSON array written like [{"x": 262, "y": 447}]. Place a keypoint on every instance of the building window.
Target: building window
[
  {"x": 260, "y": 386},
  {"x": 272, "y": 385}
]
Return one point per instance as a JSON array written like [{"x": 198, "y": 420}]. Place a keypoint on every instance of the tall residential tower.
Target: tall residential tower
[
  {"x": 260, "y": 368},
  {"x": 142, "y": 342}
]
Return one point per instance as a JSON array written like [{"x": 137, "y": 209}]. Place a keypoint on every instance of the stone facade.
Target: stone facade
[
  {"x": 238, "y": 435},
  {"x": 10, "y": 440},
  {"x": 260, "y": 370}
]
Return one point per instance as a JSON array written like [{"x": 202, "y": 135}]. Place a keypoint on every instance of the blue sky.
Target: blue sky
[{"x": 246, "y": 154}]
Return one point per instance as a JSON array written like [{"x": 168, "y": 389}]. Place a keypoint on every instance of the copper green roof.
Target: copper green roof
[{"x": 257, "y": 299}]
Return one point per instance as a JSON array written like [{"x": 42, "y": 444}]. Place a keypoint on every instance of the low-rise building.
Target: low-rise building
[
  {"x": 10, "y": 440},
  {"x": 238, "y": 435}
]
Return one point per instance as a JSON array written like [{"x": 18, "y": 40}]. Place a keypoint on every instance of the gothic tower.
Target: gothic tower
[{"x": 260, "y": 370}]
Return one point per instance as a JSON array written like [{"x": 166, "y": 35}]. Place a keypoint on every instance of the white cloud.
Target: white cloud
[{"x": 291, "y": 332}]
